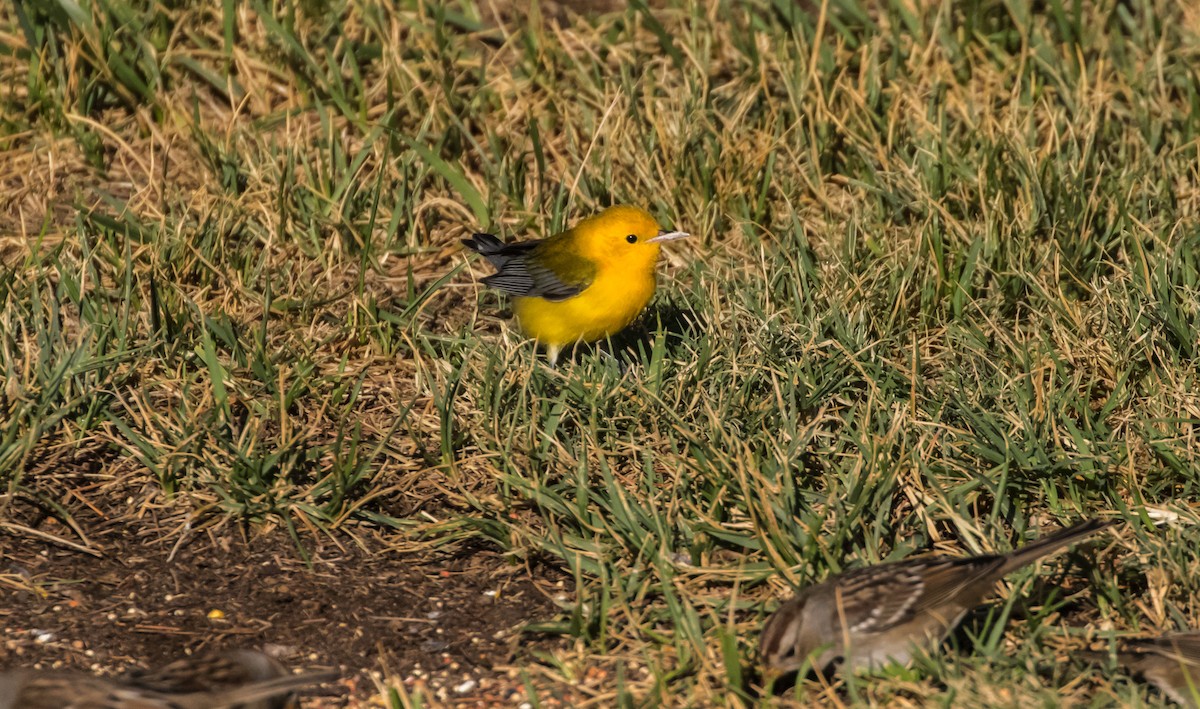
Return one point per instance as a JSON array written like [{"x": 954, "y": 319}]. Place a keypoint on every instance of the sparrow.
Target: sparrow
[
  {"x": 1170, "y": 662},
  {"x": 878, "y": 614},
  {"x": 209, "y": 672},
  {"x": 238, "y": 679}
]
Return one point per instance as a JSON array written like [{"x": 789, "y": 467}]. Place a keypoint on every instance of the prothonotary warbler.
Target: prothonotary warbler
[{"x": 584, "y": 284}]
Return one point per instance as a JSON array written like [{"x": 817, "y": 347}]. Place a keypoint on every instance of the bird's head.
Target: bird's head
[
  {"x": 790, "y": 642},
  {"x": 623, "y": 235},
  {"x": 778, "y": 645}
]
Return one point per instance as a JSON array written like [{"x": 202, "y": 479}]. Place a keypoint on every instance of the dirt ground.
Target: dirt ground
[{"x": 449, "y": 624}]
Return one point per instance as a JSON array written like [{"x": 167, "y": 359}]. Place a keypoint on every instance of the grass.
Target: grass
[{"x": 946, "y": 292}]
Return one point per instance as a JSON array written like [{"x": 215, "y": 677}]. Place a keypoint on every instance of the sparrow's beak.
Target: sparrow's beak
[{"x": 668, "y": 236}]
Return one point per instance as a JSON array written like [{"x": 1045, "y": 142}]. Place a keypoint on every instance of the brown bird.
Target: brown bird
[
  {"x": 879, "y": 614},
  {"x": 244, "y": 679},
  {"x": 1170, "y": 662}
]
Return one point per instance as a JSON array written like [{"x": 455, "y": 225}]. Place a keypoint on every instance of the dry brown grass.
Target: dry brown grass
[{"x": 946, "y": 290}]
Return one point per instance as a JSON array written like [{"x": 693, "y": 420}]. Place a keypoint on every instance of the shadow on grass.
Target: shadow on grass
[{"x": 669, "y": 326}]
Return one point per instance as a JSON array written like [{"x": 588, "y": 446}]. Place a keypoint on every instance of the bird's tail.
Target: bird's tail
[
  {"x": 1051, "y": 543},
  {"x": 268, "y": 688},
  {"x": 491, "y": 248},
  {"x": 485, "y": 244}
]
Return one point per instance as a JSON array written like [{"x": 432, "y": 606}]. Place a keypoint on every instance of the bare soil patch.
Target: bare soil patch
[{"x": 448, "y": 622}]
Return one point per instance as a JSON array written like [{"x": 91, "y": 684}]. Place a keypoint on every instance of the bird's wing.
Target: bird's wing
[
  {"x": 545, "y": 268},
  {"x": 878, "y": 598},
  {"x": 207, "y": 672},
  {"x": 553, "y": 270},
  {"x": 525, "y": 277},
  {"x": 64, "y": 690},
  {"x": 956, "y": 584}
]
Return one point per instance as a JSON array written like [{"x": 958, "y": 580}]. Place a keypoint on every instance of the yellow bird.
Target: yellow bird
[{"x": 584, "y": 284}]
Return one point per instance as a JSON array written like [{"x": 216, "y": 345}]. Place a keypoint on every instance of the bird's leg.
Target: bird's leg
[{"x": 552, "y": 354}]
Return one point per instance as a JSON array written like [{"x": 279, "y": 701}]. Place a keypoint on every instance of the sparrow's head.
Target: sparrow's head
[{"x": 789, "y": 640}]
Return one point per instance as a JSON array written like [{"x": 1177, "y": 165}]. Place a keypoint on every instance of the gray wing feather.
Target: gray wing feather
[{"x": 516, "y": 274}]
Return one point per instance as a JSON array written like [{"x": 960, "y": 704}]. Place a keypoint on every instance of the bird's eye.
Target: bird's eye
[{"x": 632, "y": 238}]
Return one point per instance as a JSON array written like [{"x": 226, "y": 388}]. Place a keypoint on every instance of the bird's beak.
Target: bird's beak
[{"x": 668, "y": 236}]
